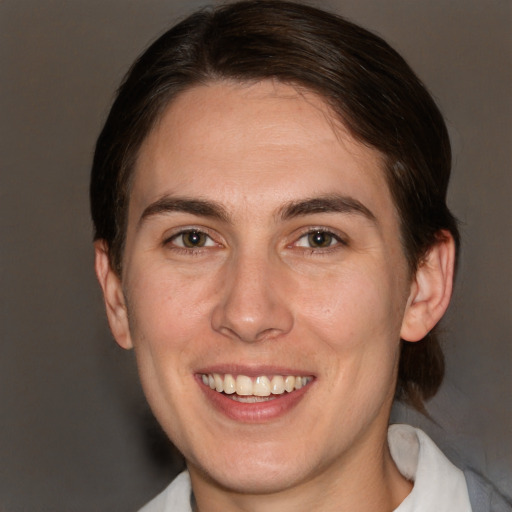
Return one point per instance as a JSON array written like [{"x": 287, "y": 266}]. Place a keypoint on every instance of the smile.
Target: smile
[{"x": 243, "y": 388}]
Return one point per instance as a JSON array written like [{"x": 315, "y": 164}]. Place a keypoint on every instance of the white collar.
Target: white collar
[{"x": 438, "y": 485}]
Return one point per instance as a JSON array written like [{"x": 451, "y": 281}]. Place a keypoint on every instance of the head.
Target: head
[
  {"x": 367, "y": 87},
  {"x": 269, "y": 197}
]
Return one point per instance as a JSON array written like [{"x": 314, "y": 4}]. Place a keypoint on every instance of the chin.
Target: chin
[
  {"x": 256, "y": 469},
  {"x": 255, "y": 478}
]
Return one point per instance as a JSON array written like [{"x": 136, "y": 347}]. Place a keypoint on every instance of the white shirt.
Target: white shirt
[{"x": 438, "y": 485}]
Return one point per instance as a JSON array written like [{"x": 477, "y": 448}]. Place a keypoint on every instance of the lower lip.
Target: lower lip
[{"x": 259, "y": 412}]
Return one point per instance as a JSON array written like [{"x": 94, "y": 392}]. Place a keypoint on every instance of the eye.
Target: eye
[
  {"x": 192, "y": 239},
  {"x": 318, "y": 239}
]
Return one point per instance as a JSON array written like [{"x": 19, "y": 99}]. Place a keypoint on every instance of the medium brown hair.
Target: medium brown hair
[{"x": 368, "y": 86}]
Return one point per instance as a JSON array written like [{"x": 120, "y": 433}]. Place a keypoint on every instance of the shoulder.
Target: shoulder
[
  {"x": 174, "y": 498},
  {"x": 483, "y": 495}
]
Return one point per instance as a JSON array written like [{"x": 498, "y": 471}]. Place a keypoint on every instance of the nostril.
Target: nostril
[
  {"x": 269, "y": 324},
  {"x": 249, "y": 337},
  {"x": 269, "y": 334}
]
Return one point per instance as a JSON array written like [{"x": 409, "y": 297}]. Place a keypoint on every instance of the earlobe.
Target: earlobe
[
  {"x": 431, "y": 289},
  {"x": 113, "y": 295}
]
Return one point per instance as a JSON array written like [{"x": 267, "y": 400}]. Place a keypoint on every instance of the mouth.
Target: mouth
[{"x": 252, "y": 390}]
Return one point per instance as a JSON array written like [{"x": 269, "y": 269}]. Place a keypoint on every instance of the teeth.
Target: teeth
[
  {"x": 289, "y": 383},
  {"x": 277, "y": 385},
  {"x": 261, "y": 387},
  {"x": 219, "y": 383},
  {"x": 229, "y": 384},
  {"x": 244, "y": 386}
]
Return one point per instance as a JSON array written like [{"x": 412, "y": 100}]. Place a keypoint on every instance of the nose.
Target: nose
[{"x": 252, "y": 305}]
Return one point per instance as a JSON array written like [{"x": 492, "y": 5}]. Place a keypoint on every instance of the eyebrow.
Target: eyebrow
[
  {"x": 199, "y": 207},
  {"x": 332, "y": 203}
]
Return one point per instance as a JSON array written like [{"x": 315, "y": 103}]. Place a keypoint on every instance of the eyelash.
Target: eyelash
[{"x": 335, "y": 241}]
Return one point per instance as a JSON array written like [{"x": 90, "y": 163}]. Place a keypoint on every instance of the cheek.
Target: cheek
[
  {"x": 169, "y": 324},
  {"x": 168, "y": 305},
  {"x": 356, "y": 321},
  {"x": 353, "y": 308}
]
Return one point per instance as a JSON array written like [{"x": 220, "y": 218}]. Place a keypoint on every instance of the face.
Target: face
[{"x": 263, "y": 260}]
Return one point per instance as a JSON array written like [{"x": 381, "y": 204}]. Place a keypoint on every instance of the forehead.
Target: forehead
[{"x": 239, "y": 142}]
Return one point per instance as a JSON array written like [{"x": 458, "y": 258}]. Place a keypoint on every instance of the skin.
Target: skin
[{"x": 258, "y": 294}]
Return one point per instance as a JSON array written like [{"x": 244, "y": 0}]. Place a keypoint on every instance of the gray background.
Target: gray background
[{"x": 75, "y": 434}]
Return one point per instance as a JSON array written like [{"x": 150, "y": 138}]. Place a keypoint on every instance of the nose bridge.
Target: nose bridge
[{"x": 250, "y": 305}]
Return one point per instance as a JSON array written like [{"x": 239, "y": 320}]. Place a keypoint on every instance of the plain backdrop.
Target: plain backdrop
[{"x": 75, "y": 434}]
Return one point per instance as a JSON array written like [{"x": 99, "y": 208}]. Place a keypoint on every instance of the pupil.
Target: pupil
[
  {"x": 193, "y": 239},
  {"x": 320, "y": 239}
]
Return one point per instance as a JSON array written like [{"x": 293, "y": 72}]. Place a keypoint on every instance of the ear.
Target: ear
[
  {"x": 113, "y": 295},
  {"x": 431, "y": 289}
]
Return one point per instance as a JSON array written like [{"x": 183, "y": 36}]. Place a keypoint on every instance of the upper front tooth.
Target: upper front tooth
[
  {"x": 229, "y": 384},
  {"x": 243, "y": 385},
  {"x": 211, "y": 381},
  {"x": 261, "y": 387}
]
